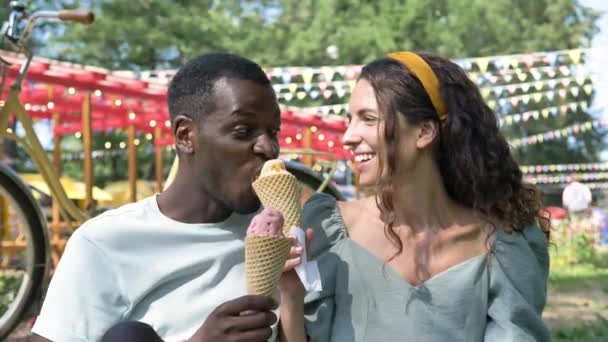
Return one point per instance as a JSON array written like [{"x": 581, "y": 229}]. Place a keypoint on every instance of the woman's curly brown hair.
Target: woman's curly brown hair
[{"x": 476, "y": 165}]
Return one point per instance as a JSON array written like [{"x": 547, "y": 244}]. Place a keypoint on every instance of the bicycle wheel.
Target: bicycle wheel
[
  {"x": 310, "y": 181},
  {"x": 24, "y": 249}
]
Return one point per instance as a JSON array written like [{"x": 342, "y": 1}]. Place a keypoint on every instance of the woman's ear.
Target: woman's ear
[{"x": 427, "y": 133}]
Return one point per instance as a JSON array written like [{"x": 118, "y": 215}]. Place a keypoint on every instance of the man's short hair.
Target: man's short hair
[{"x": 191, "y": 90}]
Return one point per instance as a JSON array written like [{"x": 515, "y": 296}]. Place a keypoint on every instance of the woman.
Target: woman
[{"x": 453, "y": 246}]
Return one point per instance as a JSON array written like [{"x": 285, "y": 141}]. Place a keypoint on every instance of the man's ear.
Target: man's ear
[
  {"x": 427, "y": 133},
  {"x": 184, "y": 131}
]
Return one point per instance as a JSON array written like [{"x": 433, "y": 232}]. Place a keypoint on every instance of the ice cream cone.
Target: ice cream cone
[{"x": 265, "y": 258}]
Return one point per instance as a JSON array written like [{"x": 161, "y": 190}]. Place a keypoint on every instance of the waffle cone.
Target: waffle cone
[
  {"x": 265, "y": 258},
  {"x": 282, "y": 192}
]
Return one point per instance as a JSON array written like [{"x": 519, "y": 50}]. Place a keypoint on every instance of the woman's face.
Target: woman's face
[
  {"x": 364, "y": 131},
  {"x": 365, "y": 137}
]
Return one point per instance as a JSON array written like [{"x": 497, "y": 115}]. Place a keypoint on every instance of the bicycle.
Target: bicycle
[{"x": 30, "y": 276}]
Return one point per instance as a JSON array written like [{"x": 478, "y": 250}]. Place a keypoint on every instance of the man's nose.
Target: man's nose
[{"x": 266, "y": 146}]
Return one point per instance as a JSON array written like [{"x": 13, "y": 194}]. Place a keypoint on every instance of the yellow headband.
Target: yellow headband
[{"x": 426, "y": 76}]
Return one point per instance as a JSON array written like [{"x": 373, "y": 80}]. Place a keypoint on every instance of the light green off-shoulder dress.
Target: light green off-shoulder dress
[{"x": 495, "y": 297}]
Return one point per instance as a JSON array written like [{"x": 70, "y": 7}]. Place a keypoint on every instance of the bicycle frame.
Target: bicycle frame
[{"x": 68, "y": 210}]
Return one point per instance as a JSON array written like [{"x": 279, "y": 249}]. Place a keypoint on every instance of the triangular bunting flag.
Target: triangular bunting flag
[
  {"x": 575, "y": 91},
  {"x": 536, "y": 74},
  {"x": 497, "y": 90},
  {"x": 514, "y": 63},
  {"x": 514, "y": 101},
  {"x": 507, "y": 78},
  {"x": 563, "y": 109},
  {"x": 525, "y": 98},
  {"x": 307, "y": 87},
  {"x": 522, "y": 76},
  {"x": 584, "y": 105},
  {"x": 516, "y": 118},
  {"x": 575, "y": 55},
  {"x": 482, "y": 64},
  {"x": 325, "y": 110},
  {"x": 351, "y": 72},
  {"x": 509, "y": 120},
  {"x": 322, "y": 85},
  {"x": 551, "y": 57},
  {"x": 492, "y": 104},
  {"x": 550, "y": 72},
  {"x": 525, "y": 87},
  {"x": 563, "y": 93},
  {"x": 277, "y": 88},
  {"x": 554, "y": 111},
  {"x": 512, "y": 88},
  {"x": 485, "y": 92},
  {"x": 337, "y": 109},
  {"x": 286, "y": 77},
  {"x": 573, "y": 107},
  {"x": 307, "y": 75},
  {"x": 288, "y": 96},
  {"x": 327, "y": 93},
  {"x": 537, "y": 97},
  {"x": 314, "y": 94},
  {"x": 588, "y": 88},
  {"x": 529, "y": 60},
  {"x": 503, "y": 102},
  {"x": 535, "y": 114},
  {"x": 551, "y": 84},
  {"x": 564, "y": 70},
  {"x": 539, "y": 86},
  {"x": 328, "y": 73},
  {"x": 292, "y": 87},
  {"x": 340, "y": 91},
  {"x": 566, "y": 81},
  {"x": 550, "y": 95},
  {"x": 301, "y": 95},
  {"x": 545, "y": 113}
]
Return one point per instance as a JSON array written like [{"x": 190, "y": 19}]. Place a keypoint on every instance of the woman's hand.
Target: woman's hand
[{"x": 290, "y": 286}]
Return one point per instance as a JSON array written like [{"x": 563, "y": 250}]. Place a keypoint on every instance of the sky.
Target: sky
[{"x": 597, "y": 60}]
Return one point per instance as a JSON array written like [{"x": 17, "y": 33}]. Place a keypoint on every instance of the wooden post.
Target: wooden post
[
  {"x": 307, "y": 144},
  {"x": 158, "y": 150},
  {"x": 57, "y": 162},
  {"x": 132, "y": 163},
  {"x": 87, "y": 137}
]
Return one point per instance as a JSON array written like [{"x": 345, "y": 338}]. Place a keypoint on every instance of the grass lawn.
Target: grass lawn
[{"x": 577, "y": 308}]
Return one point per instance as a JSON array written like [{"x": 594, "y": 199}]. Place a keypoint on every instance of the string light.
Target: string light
[
  {"x": 313, "y": 129},
  {"x": 167, "y": 123},
  {"x": 71, "y": 91},
  {"x": 50, "y": 105},
  {"x": 108, "y": 145},
  {"x": 77, "y": 135},
  {"x": 27, "y": 106},
  {"x": 136, "y": 142},
  {"x": 330, "y": 143},
  {"x": 118, "y": 102},
  {"x": 152, "y": 123},
  {"x": 97, "y": 92},
  {"x": 122, "y": 145},
  {"x": 321, "y": 137},
  {"x": 148, "y": 136},
  {"x": 9, "y": 130},
  {"x": 288, "y": 140},
  {"x": 132, "y": 116},
  {"x": 299, "y": 136}
]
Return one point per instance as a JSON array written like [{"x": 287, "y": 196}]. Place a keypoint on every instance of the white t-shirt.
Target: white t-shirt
[
  {"x": 134, "y": 263},
  {"x": 576, "y": 197}
]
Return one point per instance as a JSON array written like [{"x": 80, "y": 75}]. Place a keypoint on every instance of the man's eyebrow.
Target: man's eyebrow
[{"x": 243, "y": 113}]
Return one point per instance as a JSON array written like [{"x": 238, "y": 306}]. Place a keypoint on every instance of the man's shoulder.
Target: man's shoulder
[{"x": 120, "y": 220}]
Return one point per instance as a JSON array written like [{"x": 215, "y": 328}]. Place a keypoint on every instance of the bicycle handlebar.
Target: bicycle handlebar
[{"x": 79, "y": 16}]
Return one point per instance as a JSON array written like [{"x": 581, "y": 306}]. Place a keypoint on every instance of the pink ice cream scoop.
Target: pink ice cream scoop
[{"x": 267, "y": 223}]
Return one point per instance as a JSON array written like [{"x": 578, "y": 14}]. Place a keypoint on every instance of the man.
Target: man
[
  {"x": 576, "y": 197},
  {"x": 176, "y": 260}
]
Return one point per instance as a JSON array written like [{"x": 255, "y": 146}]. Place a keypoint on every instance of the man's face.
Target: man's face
[{"x": 232, "y": 143}]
